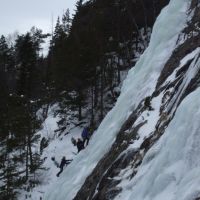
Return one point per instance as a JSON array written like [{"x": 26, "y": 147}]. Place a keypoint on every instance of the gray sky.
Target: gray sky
[{"x": 21, "y": 15}]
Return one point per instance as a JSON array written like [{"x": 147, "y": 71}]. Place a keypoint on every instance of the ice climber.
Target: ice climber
[
  {"x": 80, "y": 145},
  {"x": 62, "y": 164},
  {"x": 85, "y": 136}
]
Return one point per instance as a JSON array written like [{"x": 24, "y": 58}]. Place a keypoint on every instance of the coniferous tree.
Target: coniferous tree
[
  {"x": 78, "y": 5},
  {"x": 66, "y": 22},
  {"x": 9, "y": 173},
  {"x": 58, "y": 56},
  {"x": 26, "y": 57},
  {"x": 27, "y": 48},
  {"x": 7, "y": 70},
  {"x": 58, "y": 32},
  {"x": 3, "y": 53}
]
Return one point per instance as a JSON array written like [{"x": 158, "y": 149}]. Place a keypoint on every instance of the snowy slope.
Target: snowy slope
[
  {"x": 59, "y": 146},
  {"x": 141, "y": 82}
]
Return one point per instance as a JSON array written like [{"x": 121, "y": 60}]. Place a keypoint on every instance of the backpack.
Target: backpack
[{"x": 73, "y": 141}]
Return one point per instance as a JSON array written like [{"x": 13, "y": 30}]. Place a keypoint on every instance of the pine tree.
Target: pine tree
[
  {"x": 8, "y": 171},
  {"x": 27, "y": 47},
  {"x": 59, "y": 33},
  {"x": 66, "y": 22},
  {"x": 26, "y": 61},
  {"x": 58, "y": 56},
  {"x": 3, "y": 49},
  {"x": 6, "y": 64},
  {"x": 79, "y": 5}
]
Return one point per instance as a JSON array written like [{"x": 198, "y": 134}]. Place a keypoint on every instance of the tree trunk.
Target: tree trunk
[
  {"x": 27, "y": 167},
  {"x": 92, "y": 108},
  {"x": 45, "y": 112},
  {"x": 79, "y": 104},
  {"x": 96, "y": 89},
  {"x": 79, "y": 112},
  {"x": 30, "y": 153},
  {"x": 101, "y": 92}
]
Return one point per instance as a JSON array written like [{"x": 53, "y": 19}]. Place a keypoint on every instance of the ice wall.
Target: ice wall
[{"x": 171, "y": 168}]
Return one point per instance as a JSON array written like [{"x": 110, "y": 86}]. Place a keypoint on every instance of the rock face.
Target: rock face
[{"x": 176, "y": 81}]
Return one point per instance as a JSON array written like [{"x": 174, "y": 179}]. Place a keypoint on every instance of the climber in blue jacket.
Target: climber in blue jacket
[{"x": 85, "y": 135}]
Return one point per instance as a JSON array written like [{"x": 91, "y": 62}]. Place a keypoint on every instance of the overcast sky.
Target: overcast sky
[{"x": 21, "y": 15}]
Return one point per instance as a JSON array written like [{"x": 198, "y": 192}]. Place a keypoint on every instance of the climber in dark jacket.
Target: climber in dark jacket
[
  {"x": 80, "y": 145},
  {"x": 62, "y": 164},
  {"x": 85, "y": 136}
]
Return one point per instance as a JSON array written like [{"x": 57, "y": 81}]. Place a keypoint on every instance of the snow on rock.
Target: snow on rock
[
  {"x": 150, "y": 118},
  {"x": 170, "y": 170},
  {"x": 183, "y": 62}
]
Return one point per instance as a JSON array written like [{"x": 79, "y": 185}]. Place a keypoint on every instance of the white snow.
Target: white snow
[
  {"x": 58, "y": 147},
  {"x": 140, "y": 83},
  {"x": 192, "y": 71},
  {"x": 183, "y": 62},
  {"x": 150, "y": 118},
  {"x": 171, "y": 168}
]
